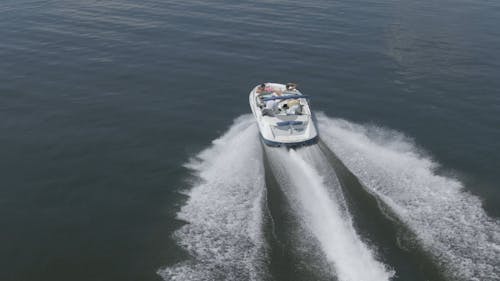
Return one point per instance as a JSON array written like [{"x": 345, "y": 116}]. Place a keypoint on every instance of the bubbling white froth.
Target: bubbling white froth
[
  {"x": 224, "y": 211},
  {"x": 449, "y": 222},
  {"x": 323, "y": 216}
]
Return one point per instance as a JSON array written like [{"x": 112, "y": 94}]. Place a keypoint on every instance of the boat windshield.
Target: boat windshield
[{"x": 283, "y": 97}]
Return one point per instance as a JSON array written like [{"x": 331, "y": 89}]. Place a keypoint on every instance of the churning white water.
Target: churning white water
[
  {"x": 224, "y": 212},
  {"x": 305, "y": 187},
  {"x": 225, "y": 208},
  {"x": 449, "y": 222}
]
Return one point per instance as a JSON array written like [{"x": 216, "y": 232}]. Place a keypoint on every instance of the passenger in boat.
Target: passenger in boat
[
  {"x": 284, "y": 108},
  {"x": 271, "y": 106},
  {"x": 268, "y": 89},
  {"x": 261, "y": 89},
  {"x": 291, "y": 86},
  {"x": 292, "y": 107}
]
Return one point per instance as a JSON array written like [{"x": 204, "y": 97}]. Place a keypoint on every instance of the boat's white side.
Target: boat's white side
[{"x": 283, "y": 129}]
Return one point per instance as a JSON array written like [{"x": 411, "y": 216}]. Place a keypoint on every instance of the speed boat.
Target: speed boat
[{"x": 283, "y": 115}]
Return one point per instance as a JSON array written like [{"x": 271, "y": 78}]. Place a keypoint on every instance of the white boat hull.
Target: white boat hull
[{"x": 282, "y": 129}]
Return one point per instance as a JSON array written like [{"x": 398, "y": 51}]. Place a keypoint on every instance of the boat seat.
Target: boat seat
[
  {"x": 267, "y": 112},
  {"x": 289, "y": 123}
]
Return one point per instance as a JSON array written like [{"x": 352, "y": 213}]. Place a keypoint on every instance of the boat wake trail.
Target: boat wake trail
[
  {"x": 319, "y": 204},
  {"x": 228, "y": 210},
  {"x": 448, "y": 222},
  {"x": 224, "y": 212}
]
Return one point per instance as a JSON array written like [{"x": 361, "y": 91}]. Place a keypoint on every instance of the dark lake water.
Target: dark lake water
[{"x": 103, "y": 104}]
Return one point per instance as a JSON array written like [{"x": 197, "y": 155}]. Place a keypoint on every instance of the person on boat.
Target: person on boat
[
  {"x": 270, "y": 106},
  {"x": 291, "y": 108},
  {"x": 261, "y": 89},
  {"x": 285, "y": 108},
  {"x": 268, "y": 89},
  {"x": 294, "y": 107},
  {"x": 291, "y": 86}
]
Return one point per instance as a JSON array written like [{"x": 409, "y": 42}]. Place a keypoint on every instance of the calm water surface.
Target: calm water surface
[{"x": 103, "y": 102}]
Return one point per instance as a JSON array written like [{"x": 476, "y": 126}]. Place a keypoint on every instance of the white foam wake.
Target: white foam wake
[
  {"x": 449, "y": 222},
  {"x": 305, "y": 188},
  {"x": 224, "y": 211}
]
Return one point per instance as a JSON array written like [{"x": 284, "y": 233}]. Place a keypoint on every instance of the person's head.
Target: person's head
[
  {"x": 285, "y": 106},
  {"x": 262, "y": 86},
  {"x": 291, "y": 86}
]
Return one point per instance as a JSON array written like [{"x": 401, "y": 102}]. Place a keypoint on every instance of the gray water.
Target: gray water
[{"x": 108, "y": 110}]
